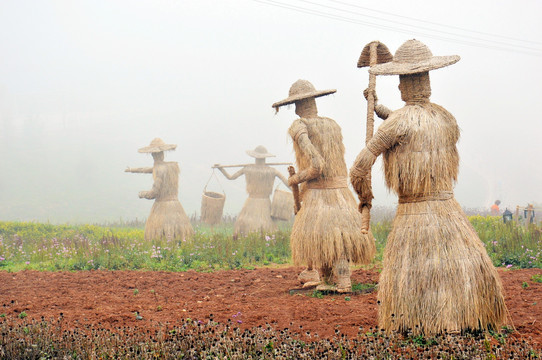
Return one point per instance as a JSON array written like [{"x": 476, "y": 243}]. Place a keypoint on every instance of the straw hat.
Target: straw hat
[
  {"x": 259, "y": 152},
  {"x": 411, "y": 58},
  {"x": 302, "y": 89},
  {"x": 157, "y": 145}
]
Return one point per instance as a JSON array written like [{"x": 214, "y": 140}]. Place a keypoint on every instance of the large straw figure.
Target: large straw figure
[
  {"x": 167, "y": 218},
  {"x": 436, "y": 274},
  {"x": 260, "y": 178},
  {"x": 326, "y": 234}
]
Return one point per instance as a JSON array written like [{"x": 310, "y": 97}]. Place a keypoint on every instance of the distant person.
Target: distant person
[
  {"x": 326, "y": 234},
  {"x": 260, "y": 178},
  {"x": 495, "y": 211},
  {"x": 167, "y": 219}
]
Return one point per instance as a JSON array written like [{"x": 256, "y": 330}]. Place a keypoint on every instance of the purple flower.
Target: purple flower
[
  {"x": 509, "y": 266},
  {"x": 27, "y": 263}
]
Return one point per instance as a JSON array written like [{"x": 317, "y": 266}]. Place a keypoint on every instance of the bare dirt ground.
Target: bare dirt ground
[{"x": 247, "y": 298}]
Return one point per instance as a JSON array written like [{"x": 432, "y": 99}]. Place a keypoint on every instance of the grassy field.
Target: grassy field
[{"x": 39, "y": 246}]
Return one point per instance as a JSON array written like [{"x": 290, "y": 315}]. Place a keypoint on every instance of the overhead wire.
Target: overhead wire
[
  {"x": 435, "y": 23},
  {"x": 418, "y": 27},
  {"x": 305, "y": 10}
]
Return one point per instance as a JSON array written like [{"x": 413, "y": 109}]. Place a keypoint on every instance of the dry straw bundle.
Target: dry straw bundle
[
  {"x": 167, "y": 218},
  {"x": 326, "y": 232},
  {"x": 282, "y": 206},
  {"x": 255, "y": 216},
  {"x": 436, "y": 274}
]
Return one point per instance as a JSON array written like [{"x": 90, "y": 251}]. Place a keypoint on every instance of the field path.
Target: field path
[{"x": 246, "y": 297}]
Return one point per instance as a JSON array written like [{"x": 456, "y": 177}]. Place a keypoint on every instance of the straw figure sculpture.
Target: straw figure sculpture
[
  {"x": 167, "y": 218},
  {"x": 436, "y": 275},
  {"x": 260, "y": 178},
  {"x": 326, "y": 234}
]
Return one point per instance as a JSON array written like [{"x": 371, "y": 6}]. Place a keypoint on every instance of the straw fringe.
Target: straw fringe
[
  {"x": 167, "y": 218},
  {"x": 328, "y": 226},
  {"x": 437, "y": 275}
]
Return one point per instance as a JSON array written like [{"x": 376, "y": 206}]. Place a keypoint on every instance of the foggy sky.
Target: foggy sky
[{"x": 84, "y": 84}]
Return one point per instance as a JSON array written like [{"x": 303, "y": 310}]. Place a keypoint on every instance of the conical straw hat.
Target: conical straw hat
[
  {"x": 157, "y": 145},
  {"x": 259, "y": 152},
  {"x": 302, "y": 89},
  {"x": 411, "y": 58}
]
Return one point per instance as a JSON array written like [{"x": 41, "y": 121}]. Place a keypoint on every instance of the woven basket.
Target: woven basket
[
  {"x": 282, "y": 206},
  {"x": 212, "y": 206}
]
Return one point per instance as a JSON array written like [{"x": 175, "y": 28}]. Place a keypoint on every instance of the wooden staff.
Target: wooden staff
[
  {"x": 373, "y": 53},
  {"x": 295, "y": 191},
  {"x": 241, "y": 165}
]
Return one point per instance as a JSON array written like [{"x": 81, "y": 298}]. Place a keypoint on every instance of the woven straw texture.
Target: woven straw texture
[
  {"x": 413, "y": 57},
  {"x": 302, "y": 89},
  {"x": 212, "y": 207},
  {"x": 436, "y": 273},
  {"x": 327, "y": 228},
  {"x": 282, "y": 206},
  {"x": 157, "y": 145},
  {"x": 167, "y": 218}
]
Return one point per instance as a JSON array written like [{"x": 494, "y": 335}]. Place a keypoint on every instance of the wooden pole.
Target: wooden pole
[
  {"x": 365, "y": 211},
  {"x": 295, "y": 191},
  {"x": 215, "y": 166}
]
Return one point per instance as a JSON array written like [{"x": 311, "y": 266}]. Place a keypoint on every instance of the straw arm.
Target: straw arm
[
  {"x": 143, "y": 170},
  {"x": 153, "y": 193},
  {"x": 380, "y": 110},
  {"x": 360, "y": 173},
  {"x": 281, "y": 177},
  {"x": 231, "y": 177},
  {"x": 317, "y": 161}
]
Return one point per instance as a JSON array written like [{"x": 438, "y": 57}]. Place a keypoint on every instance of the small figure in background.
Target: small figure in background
[
  {"x": 495, "y": 211},
  {"x": 167, "y": 218},
  {"x": 260, "y": 178}
]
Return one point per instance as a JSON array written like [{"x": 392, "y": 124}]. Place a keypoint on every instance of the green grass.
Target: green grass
[{"x": 29, "y": 245}]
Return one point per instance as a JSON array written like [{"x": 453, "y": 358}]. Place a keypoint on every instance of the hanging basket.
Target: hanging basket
[
  {"x": 212, "y": 206},
  {"x": 282, "y": 206}
]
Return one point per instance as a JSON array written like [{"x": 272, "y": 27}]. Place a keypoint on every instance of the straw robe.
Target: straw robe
[
  {"x": 436, "y": 273},
  {"x": 256, "y": 212},
  {"x": 327, "y": 227},
  {"x": 167, "y": 218}
]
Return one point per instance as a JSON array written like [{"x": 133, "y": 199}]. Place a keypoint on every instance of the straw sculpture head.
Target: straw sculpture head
[
  {"x": 300, "y": 90},
  {"x": 259, "y": 152},
  {"x": 157, "y": 145},
  {"x": 411, "y": 58}
]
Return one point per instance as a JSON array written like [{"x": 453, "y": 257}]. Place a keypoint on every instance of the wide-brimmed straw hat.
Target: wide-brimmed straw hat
[
  {"x": 411, "y": 58},
  {"x": 157, "y": 145},
  {"x": 259, "y": 152},
  {"x": 302, "y": 89}
]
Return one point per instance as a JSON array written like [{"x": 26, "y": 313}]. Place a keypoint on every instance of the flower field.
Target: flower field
[{"x": 72, "y": 292}]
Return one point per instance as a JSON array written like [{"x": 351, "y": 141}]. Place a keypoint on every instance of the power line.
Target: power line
[
  {"x": 437, "y": 24},
  {"x": 389, "y": 28},
  {"x": 415, "y": 26}
]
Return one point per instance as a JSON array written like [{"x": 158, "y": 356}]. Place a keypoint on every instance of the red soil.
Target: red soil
[{"x": 253, "y": 297}]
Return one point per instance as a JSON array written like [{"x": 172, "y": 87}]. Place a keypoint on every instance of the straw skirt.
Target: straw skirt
[
  {"x": 437, "y": 275},
  {"x": 328, "y": 228},
  {"x": 255, "y": 216},
  {"x": 168, "y": 220}
]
